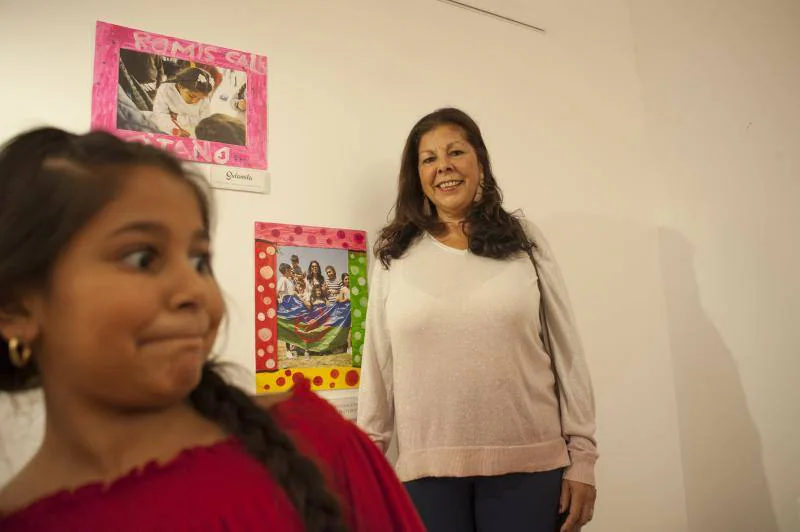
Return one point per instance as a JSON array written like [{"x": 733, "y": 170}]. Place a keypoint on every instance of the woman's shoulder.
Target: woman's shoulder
[
  {"x": 541, "y": 247},
  {"x": 530, "y": 228}
]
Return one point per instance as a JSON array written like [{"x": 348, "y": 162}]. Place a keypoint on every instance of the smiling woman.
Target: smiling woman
[
  {"x": 450, "y": 174},
  {"x": 108, "y": 301},
  {"x": 495, "y": 425}
]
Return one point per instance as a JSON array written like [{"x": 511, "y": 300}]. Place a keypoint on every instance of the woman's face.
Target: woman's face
[
  {"x": 449, "y": 171},
  {"x": 331, "y": 274},
  {"x": 346, "y": 280},
  {"x": 314, "y": 268}
]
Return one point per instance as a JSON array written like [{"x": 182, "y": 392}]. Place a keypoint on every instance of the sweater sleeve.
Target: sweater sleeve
[
  {"x": 161, "y": 110},
  {"x": 376, "y": 392},
  {"x": 576, "y": 397}
]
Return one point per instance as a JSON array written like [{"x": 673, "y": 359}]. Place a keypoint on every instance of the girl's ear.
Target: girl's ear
[{"x": 20, "y": 321}]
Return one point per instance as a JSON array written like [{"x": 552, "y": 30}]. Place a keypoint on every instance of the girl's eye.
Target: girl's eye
[
  {"x": 202, "y": 263},
  {"x": 141, "y": 260}
]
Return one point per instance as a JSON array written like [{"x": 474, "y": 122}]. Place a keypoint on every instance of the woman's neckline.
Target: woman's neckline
[{"x": 445, "y": 247}]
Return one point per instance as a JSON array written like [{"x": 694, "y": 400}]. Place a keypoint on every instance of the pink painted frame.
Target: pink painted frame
[{"x": 111, "y": 38}]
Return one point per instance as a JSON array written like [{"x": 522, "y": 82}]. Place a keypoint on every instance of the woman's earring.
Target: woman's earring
[
  {"x": 479, "y": 192},
  {"x": 18, "y": 353}
]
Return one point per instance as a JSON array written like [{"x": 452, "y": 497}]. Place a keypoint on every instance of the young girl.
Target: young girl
[
  {"x": 285, "y": 285},
  {"x": 344, "y": 295},
  {"x": 182, "y": 102},
  {"x": 314, "y": 276},
  {"x": 332, "y": 286},
  {"x": 108, "y": 301},
  {"x": 302, "y": 291},
  {"x": 285, "y": 288},
  {"x": 317, "y": 296}
]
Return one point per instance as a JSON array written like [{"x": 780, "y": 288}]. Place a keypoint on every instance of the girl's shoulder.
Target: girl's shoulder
[{"x": 373, "y": 497}]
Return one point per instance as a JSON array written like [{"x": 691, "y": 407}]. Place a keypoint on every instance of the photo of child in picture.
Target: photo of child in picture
[
  {"x": 332, "y": 286},
  {"x": 344, "y": 295},
  {"x": 318, "y": 296},
  {"x": 285, "y": 283},
  {"x": 167, "y": 95},
  {"x": 183, "y": 101}
]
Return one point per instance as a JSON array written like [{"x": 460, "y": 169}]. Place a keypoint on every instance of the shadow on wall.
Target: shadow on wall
[
  {"x": 724, "y": 475},
  {"x": 612, "y": 271}
]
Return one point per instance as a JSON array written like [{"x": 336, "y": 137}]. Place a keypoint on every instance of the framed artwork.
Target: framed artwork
[
  {"x": 203, "y": 103},
  {"x": 311, "y": 302}
]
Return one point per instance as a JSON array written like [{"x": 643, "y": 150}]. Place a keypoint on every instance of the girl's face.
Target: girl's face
[
  {"x": 317, "y": 292},
  {"x": 132, "y": 308},
  {"x": 314, "y": 267},
  {"x": 189, "y": 96},
  {"x": 346, "y": 280},
  {"x": 331, "y": 274}
]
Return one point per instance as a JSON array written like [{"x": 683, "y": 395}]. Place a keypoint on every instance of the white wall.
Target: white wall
[
  {"x": 721, "y": 92},
  {"x": 566, "y": 125}
]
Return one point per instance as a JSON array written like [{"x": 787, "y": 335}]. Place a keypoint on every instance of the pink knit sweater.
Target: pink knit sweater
[{"x": 454, "y": 363}]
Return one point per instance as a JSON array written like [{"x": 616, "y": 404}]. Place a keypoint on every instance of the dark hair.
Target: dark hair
[
  {"x": 295, "y": 258},
  {"x": 283, "y": 267},
  {"x": 52, "y": 183},
  {"x": 492, "y": 231},
  {"x": 195, "y": 79},
  {"x": 222, "y": 128},
  {"x": 345, "y": 274},
  {"x": 314, "y": 294},
  {"x": 310, "y": 275}
]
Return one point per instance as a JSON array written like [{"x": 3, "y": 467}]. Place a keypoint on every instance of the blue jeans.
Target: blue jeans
[{"x": 518, "y": 502}]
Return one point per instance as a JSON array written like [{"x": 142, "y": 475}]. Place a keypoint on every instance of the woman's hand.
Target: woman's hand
[{"x": 577, "y": 500}]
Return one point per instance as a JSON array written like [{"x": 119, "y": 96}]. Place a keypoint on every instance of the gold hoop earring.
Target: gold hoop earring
[{"x": 18, "y": 353}]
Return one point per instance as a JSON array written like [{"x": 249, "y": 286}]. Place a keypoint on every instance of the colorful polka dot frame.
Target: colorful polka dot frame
[
  {"x": 270, "y": 377},
  {"x": 320, "y": 379},
  {"x": 357, "y": 266},
  {"x": 266, "y": 322},
  {"x": 315, "y": 237}
]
